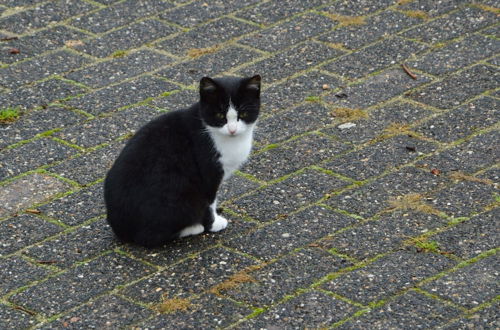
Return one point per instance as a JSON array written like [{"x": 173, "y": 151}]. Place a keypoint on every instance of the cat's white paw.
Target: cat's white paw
[
  {"x": 192, "y": 230},
  {"x": 219, "y": 223}
]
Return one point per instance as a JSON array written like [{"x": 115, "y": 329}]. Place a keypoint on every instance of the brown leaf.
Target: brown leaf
[
  {"x": 14, "y": 51},
  {"x": 34, "y": 211},
  {"x": 435, "y": 171}
]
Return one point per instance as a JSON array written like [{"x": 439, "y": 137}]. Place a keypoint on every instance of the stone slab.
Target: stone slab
[
  {"x": 288, "y": 195},
  {"x": 77, "y": 207},
  {"x": 28, "y": 190},
  {"x": 21, "y": 231},
  {"x": 80, "y": 284},
  {"x": 469, "y": 286},
  {"x": 31, "y": 156},
  {"x": 385, "y": 234},
  {"x": 388, "y": 275},
  {"x": 472, "y": 237},
  {"x": 290, "y": 233},
  {"x": 16, "y": 273}
]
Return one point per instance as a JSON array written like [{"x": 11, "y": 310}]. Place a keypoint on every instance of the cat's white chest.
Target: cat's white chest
[{"x": 233, "y": 150}]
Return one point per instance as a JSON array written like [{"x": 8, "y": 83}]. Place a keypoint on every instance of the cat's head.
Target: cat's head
[{"x": 230, "y": 106}]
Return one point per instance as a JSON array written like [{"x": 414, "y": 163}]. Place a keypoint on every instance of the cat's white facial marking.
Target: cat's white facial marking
[
  {"x": 192, "y": 230},
  {"x": 232, "y": 120}
]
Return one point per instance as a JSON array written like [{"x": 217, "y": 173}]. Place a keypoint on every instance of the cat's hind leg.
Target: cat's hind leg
[
  {"x": 192, "y": 230},
  {"x": 219, "y": 222}
]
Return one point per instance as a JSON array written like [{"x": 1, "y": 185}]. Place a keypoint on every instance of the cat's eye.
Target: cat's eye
[
  {"x": 243, "y": 115},
  {"x": 219, "y": 115}
]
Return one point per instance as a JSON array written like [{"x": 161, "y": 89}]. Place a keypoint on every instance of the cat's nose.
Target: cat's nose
[{"x": 232, "y": 131}]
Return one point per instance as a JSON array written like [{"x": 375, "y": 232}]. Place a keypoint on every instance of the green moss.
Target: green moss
[
  {"x": 313, "y": 98},
  {"x": 427, "y": 246},
  {"x": 119, "y": 53},
  {"x": 9, "y": 115}
]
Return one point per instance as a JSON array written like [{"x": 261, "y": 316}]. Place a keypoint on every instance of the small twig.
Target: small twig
[
  {"x": 21, "y": 308},
  {"x": 9, "y": 38},
  {"x": 34, "y": 211},
  {"x": 45, "y": 262},
  {"x": 407, "y": 70}
]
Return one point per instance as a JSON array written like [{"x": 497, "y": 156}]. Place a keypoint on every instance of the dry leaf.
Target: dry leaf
[{"x": 73, "y": 43}]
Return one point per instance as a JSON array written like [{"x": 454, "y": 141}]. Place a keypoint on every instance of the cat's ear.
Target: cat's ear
[
  {"x": 253, "y": 83},
  {"x": 207, "y": 85}
]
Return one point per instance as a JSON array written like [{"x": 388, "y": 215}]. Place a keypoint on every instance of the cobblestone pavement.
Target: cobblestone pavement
[{"x": 371, "y": 200}]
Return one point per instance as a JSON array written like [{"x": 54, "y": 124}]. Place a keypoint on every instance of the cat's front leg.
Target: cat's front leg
[{"x": 219, "y": 222}]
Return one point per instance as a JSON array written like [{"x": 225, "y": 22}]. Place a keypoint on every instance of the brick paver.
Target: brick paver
[{"x": 371, "y": 200}]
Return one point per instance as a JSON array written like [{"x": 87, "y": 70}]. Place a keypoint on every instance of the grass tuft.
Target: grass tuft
[
  {"x": 119, "y": 53},
  {"x": 416, "y": 14},
  {"x": 412, "y": 202},
  {"x": 347, "y": 114},
  {"x": 9, "y": 115},
  {"x": 197, "y": 52},
  {"x": 461, "y": 176},
  {"x": 235, "y": 280},
  {"x": 168, "y": 306},
  {"x": 347, "y": 20},
  {"x": 313, "y": 98}
]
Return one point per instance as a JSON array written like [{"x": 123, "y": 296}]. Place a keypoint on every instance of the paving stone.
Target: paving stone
[
  {"x": 178, "y": 100},
  {"x": 79, "y": 284},
  {"x": 386, "y": 234},
  {"x": 462, "y": 122},
  {"x": 375, "y": 57},
  {"x": 24, "y": 230},
  {"x": 292, "y": 156},
  {"x": 206, "y": 311},
  {"x": 118, "y": 69},
  {"x": 388, "y": 275},
  {"x": 199, "y": 11},
  {"x": 492, "y": 31},
  {"x": 472, "y": 237},
  {"x": 287, "y": 275},
  {"x": 38, "y": 42},
  {"x": 13, "y": 318},
  {"x": 127, "y": 93},
  {"x": 43, "y": 14},
  {"x": 458, "y": 87},
  {"x": 39, "y": 94},
  {"x": 465, "y": 198},
  {"x": 469, "y": 286},
  {"x": 39, "y": 68},
  {"x": 373, "y": 197},
  {"x": 292, "y": 232},
  {"x": 280, "y": 127},
  {"x": 28, "y": 190},
  {"x": 180, "y": 249},
  {"x": 286, "y": 196},
  {"x": 485, "y": 318},
  {"x": 292, "y": 91},
  {"x": 433, "y": 8},
  {"x": 106, "y": 312},
  {"x": 358, "y": 7},
  {"x": 32, "y": 155},
  {"x": 295, "y": 59},
  {"x": 379, "y": 26},
  {"x": 381, "y": 157},
  {"x": 90, "y": 166},
  {"x": 106, "y": 129},
  {"x": 36, "y": 122},
  {"x": 235, "y": 186},
  {"x": 411, "y": 311},
  {"x": 19, "y": 3},
  {"x": 272, "y": 11},
  {"x": 312, "y": 309},
  {"x": 477, "y": 153},
  {"x": 289, "y": 33},
  {"x": 118, "y": 14},
  {"x": 377, "y": 88},
  {"x": 457, "y": 55},
  {"x": 16, "y": 273},
  {"x": 204, "y": 37},
  {"x": 84, "y": 243},
  {"x": 399, "y": 113},
  {"x": 191, "y": 276},
  {"x": 212, "y": 64},
  {"x": 77, "y": 207},
  {"x": 131, "y": 36},
  {"x": 465, "y": 20}
]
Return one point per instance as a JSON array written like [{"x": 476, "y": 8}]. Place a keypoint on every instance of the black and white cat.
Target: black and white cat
[{"x": 164, "y": 183}]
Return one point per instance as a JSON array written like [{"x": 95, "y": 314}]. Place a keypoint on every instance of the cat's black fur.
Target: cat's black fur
[{"x": 168, "y": 173}]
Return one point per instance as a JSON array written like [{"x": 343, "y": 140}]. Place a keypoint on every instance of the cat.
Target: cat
[{"x": 164, "y": 183}]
